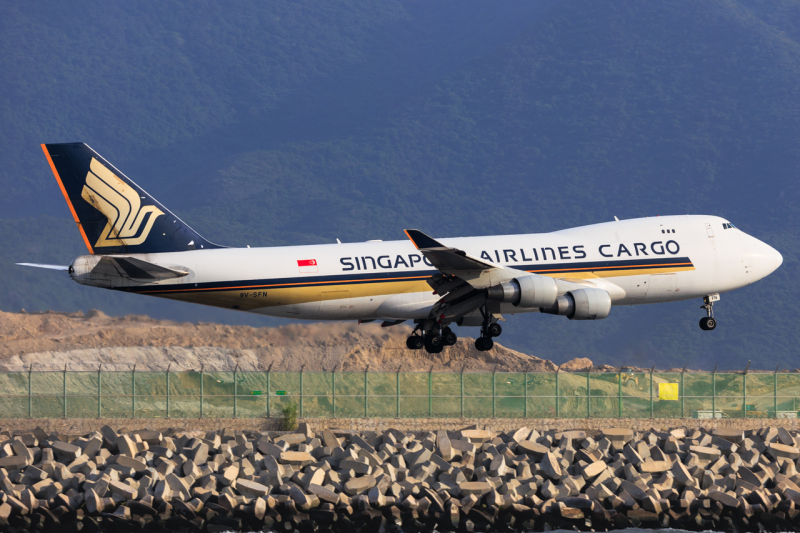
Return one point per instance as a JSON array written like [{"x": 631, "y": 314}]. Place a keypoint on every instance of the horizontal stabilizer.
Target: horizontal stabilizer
[
  {"x": 136, "y": 269},
  {"x": 49, "y": 267}
]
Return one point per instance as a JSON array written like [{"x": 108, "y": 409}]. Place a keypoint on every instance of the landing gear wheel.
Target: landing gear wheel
[
  {"x": 434, "y": 344},
  {"x": 494, "y": 330},
  {"x": 449, "y": 337},
  {"x": 708, "y": 323},
  {"x": 415, "y": 342},
  {"x": 484, "y": 344}
]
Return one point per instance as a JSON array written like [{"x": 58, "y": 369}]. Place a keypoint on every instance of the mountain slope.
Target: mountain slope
[{"x": 586, "y": 110}]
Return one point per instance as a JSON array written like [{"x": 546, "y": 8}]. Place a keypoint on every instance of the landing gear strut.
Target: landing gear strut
[
  {"x": 490, "y": 329},
  {"x": 708, "y": 322}
]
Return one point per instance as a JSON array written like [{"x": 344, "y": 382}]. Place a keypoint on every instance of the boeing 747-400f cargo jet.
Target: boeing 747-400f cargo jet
[{"x": 136, "y": 245}]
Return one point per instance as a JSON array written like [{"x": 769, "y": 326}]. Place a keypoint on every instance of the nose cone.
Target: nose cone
[{"x": 764, "y": 259}]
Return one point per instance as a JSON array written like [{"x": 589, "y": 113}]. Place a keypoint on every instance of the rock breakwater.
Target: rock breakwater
[{"x": 468, "y": 480}]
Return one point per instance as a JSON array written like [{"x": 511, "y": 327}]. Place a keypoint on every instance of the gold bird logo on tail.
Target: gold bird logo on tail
[{"x": 120, "y": 204}]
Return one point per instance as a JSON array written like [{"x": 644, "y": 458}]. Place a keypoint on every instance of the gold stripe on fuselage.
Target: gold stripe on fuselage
[{"x": 250, "y": 297}]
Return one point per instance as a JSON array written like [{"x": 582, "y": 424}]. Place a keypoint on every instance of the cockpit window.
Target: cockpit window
[{"x": 728, "y": 225}]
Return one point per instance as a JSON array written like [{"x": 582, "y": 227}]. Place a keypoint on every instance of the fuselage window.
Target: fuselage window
[{"x": 728, "y": 225}]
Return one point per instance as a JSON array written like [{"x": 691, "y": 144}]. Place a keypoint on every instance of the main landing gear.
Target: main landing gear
[
  {"x": 433, "y": 340},
  {"x": 708, "y": 322},
  {"x": 490, "y": 329}
]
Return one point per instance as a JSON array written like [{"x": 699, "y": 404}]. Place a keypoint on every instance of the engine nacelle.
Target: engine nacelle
[
  {"x": 527, "y": 291},
  {"x": 581, "y": 304}
]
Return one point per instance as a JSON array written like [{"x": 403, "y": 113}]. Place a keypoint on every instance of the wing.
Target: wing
[{"x": 462, "y": 280}]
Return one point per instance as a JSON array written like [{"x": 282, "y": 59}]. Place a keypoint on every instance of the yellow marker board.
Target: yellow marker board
[{"x": 667, "y": 391}]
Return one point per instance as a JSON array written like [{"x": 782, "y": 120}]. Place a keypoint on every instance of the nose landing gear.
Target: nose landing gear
[{"x": 709, "y": 323}]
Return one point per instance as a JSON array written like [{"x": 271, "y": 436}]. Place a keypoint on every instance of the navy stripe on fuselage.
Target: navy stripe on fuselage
[{"x": 388, "y": 277}]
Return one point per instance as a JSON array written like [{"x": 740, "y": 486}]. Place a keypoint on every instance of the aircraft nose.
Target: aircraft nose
[{"x": 764, "y": 259}]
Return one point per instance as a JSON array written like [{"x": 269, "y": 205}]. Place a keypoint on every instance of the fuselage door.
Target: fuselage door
[{"x": 709, "y": 230}]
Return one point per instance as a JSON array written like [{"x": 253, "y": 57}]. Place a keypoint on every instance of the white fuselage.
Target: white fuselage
[{"x": 637, "y": 261}]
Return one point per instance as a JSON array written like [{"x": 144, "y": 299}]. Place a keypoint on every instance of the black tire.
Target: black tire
[
  {"x": 479, "y": 344},
  {"x": 495, "y": 330},
  {"x": 449, "y": 337},
  {"x": 488, "y": 344},
  {"x": 415, "y": 342},
  {"x": 434, "y": 344},
  {"x": 708, "y": 323}
]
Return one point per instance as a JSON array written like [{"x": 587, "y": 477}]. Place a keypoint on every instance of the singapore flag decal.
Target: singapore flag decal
[{"x": 307, "y": 266}]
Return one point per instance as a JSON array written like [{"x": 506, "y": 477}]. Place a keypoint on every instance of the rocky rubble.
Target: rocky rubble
[{"x": 470, "y": 480}]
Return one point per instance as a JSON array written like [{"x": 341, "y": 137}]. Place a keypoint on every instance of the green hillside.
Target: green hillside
[{"x": 301, "y": 123}]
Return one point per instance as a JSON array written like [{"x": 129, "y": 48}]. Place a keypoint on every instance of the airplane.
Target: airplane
[{"x": 137, "y": 245}]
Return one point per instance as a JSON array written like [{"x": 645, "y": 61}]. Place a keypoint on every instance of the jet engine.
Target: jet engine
[
  {"x": 581, "y": 304},
  {"x": 527, "y": 291}
]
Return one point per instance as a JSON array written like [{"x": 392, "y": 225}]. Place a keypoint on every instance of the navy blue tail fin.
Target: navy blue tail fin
[{"x": 114, "y": 215}]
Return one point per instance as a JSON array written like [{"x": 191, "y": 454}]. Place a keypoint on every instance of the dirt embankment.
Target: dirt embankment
[{"x": 81, "y": 341}]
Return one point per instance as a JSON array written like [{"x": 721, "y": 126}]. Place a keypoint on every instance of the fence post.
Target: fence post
[
  {"x": 269, "y": 391},
  {"x": 744, "y": 389},
  {"x": 619, "y": 393},
  {"x": 462, "y": 391},
  {"x": 651, "y": 390},
  {"x": 301, "y": 389},
  {"x": 65, "y": 390},
  {"x": 202, "y": 388},
  {"x": 397, "y": 389},
  {"x": 775, "y": 393},
  {"x": 366, "y": 398},
  {"x": 526, "y": 393},
  {"x": 683, "y": 393},
  {"x": 236, "y": 387},
  {"x": 430, "y": 392},
  {"x": 168, "y": 367},
  {"x": 133, "y": 389},
  {"x": 588, "y": 395},
  {"x": 714, "y": 393},
  {"x": 494, "y": 392},
  {"x": 30, "y": 395},
  {"x": 558, "y": 392},
  {"x": 99, "y": 392},
  {"x": 334, "y": 391}
]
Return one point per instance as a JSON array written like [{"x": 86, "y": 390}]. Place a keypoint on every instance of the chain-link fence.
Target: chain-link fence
[{"x": 235, "y": 394}]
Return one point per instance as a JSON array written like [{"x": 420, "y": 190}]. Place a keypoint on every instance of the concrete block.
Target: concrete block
[
  {"x": 651, "y": 467},
  {"x": 358, "y": 485},
  {"x": 619, "y": 437},
  {"x": 593, "y": 469},
  {"x": 13, "y": 462},
  {"x": 532, "y": 448},
  {"x": 777, "y": 450},
  {"x": 477, "y": 435},
  {"x": 297, "y": 458},
  {"x": 359, "y": 467},
  {"x": 550, "y": 466},
  {"x": 127, "y": 446},
  {"x": 21, "y": 450},
  {"x": 251, "y": 488},
  {"x": 419, "y": 457},
  {"x": 129, "y": 462},
  {"x": 122, "y": 490},
  {"x": 520, "y": 435}
]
